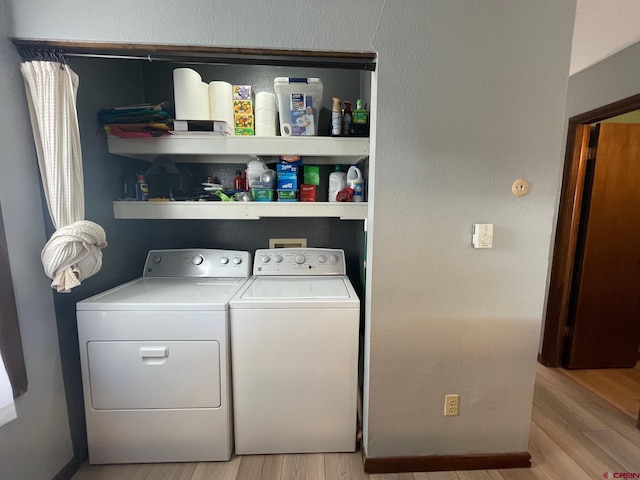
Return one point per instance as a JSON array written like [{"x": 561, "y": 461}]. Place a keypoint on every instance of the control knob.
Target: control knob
[
  {"x": 265, "y": 259},
  {"x": 224, "y": 260},
  {"x": 299, "y": 259},
  {"x": 277, "y": 258},
  {"x": 156, "y": 259},
  {"x": 197, "y": 260},
  {"x": 237, "y": 260},
  {"x": 322, "y": 259}
]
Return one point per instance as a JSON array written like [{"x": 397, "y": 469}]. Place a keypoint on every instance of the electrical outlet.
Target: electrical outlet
[{"x": 451, "y": 405}]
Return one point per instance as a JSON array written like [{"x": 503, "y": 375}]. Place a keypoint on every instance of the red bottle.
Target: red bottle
[{"x": 238, "y": 182}]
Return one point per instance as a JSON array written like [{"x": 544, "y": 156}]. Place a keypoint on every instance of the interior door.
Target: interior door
[{"x": 604, "y": 311}]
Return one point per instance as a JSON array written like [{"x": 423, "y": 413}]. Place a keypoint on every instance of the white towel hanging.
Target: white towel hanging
[{"x": 7, "y": 406}]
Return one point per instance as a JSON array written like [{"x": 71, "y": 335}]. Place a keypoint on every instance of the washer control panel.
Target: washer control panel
[
  {"x": 197, "y": 262},
  {"x": 299, "y": 261}
]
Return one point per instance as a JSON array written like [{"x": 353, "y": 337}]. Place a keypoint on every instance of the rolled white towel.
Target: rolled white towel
[
  {"x": 7, "y": 407},
  {"x": 73, "y": 254}
]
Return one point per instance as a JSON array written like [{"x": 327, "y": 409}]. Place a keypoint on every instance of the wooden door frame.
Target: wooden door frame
[{"x": 563, "y": 261}]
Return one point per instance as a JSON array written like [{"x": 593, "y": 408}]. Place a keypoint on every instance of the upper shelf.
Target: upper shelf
[{"x": 199, "y": 148}]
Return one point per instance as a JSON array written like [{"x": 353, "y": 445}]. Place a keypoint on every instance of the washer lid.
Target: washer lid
[
  {"x": 166, "y": 293},
  {"x": 297, "y": 292}
]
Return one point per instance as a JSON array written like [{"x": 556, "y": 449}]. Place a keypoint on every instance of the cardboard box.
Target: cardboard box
[
  {"x": 307, "y": 193},
  {"x": 287, "y": 195},
  {"x": 243, "y": 106},
  {"x": 311, "y": 175},
  {"x": 243, "y": 120},
  {"x": 242, "y": 92},
  {"x": 262, "y": 194},
  {"x": 287, "y": 183},
  {"x": 244, "y": 131},
  {"x": 287, "y": 168}
]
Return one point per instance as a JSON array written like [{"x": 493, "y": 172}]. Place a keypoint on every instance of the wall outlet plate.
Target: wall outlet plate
[{"x": 451, "y": 405}]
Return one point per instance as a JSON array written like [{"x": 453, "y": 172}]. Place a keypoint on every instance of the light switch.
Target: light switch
[{"x": 482, "y": 235}]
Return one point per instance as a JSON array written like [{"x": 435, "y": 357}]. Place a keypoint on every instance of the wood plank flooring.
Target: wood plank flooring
[
  {"x": 575, "y": 435},
  {"x": 619, "y": 386}
]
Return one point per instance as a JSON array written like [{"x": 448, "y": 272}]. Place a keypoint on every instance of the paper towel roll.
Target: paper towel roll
[
  {"x": 265, "y": 112},
  {"x": 221, "y": 103},
  {"x": 191, "y": 95}
]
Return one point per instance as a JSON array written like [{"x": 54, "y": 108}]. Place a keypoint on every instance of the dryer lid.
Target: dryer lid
[{"x": 168, "y": 293}]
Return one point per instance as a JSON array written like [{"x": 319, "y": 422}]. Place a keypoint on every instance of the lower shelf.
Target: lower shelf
[{"x": 236, "y": 210}]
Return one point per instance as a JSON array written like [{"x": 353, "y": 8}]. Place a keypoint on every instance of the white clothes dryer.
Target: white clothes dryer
[
  {"x": 154, "y": 354},
  {"x": 294, "y": 347}
]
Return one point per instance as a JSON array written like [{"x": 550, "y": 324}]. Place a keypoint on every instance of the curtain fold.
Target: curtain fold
[{"x": 74, "y": 251}]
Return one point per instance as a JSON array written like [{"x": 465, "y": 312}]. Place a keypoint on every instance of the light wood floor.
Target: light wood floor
[
  {"x": 618, "y": 386},
  {"x": 575, "y": 435}
]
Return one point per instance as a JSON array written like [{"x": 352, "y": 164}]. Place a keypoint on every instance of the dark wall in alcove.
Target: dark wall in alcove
[{"x": 107, "y": 83}]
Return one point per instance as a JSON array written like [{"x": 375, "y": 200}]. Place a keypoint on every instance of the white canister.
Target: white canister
[
  {"x": 337, "y": 182},
  {"x": 355, "y": 181}
]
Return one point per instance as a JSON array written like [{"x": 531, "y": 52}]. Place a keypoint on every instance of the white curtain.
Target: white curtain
[{"x": 73, "y": 251}]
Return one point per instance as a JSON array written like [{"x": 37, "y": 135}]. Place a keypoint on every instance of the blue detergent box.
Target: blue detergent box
[
  {"x": 287, "y": 183},
  {"x": 286, "y": 168},
  {"x": 287, "y": 176}
]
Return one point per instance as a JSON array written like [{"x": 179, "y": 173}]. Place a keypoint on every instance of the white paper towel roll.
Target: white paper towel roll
[
  {"x": 265, "y": 114},
  {"x": 221, "y": 103},
  {"x": 191, "y": 95}
]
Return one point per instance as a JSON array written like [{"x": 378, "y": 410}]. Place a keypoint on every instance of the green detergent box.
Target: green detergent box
[{"x": 311, "y": 175}]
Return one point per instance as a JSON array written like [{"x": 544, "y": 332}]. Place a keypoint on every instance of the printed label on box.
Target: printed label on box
[
  {"x": 244, "y": 120},
  {"x": 242, "y": 106},
  {"x": 286, "y": 168},
  {"x": 242, "y": 92},
  {"x": 302, "y": 115}
]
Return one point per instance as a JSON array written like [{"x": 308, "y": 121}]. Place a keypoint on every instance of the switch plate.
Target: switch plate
[
  {"x": 482, "y": 235},
  {"x": 451, "y": 405}
]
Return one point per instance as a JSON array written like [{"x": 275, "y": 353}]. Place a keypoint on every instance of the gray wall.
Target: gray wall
[
  {"x": 37, "y": 445},
  {"x": 470, "y": 96},
  {"x": 608, "y": 81}
]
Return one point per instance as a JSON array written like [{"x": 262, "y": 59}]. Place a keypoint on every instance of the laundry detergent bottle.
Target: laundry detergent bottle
[
  {"x": 355, "y": 181},
  {"x": 337, "y": 182}
]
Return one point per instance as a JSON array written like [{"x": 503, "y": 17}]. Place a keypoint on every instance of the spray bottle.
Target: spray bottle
[
  {"x": 336, "y": 118},
  {"x": 142, "y": 189},
  {"x": 347, "y": 119}
]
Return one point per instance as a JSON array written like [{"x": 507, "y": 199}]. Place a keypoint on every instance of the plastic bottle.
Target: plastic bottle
[
  {"x": 238, "y": 181},
  {"x": 142, "y": 189},
  {"x": 337, "y": 182},
  {"x": 347, "y": 118},
  {"x": 355, "y": 181},
  {"x": 336, "y": 118}
]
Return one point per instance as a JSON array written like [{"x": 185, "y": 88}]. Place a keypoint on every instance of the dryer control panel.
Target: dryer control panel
[
  {"x": 197, "y": 262},
  {"x": 299, "y": 261}
]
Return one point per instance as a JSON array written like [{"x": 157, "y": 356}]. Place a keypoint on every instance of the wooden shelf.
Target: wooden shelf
[
  {"x": 201, "y": 148},
  {"x": 237, "y": 210}
]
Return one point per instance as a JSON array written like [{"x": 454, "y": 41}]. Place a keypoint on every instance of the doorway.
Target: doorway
[
  {"x": 567, "y": 241},
  {"x": 567, "y": 230}
]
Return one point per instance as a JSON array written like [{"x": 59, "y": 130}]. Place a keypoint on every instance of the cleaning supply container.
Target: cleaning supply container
[
  {"x": 337, "y": 182},
  {"x": 299, "y": 104},
  {"x": 355, "y": 181}
]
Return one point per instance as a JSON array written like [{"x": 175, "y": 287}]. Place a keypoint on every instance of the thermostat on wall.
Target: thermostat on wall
[{"x": 482, "y": 235}]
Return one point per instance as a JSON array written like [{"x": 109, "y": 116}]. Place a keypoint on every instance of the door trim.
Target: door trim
[{"x": 564, "y": 253}]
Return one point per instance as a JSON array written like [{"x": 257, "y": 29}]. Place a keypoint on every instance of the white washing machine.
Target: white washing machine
[
  {"x": 155, "y": 360},
  {"x": 294, "y": 350}
]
